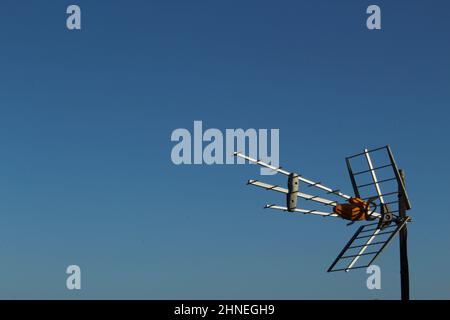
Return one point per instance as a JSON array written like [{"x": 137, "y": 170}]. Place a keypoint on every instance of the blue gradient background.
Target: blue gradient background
[{"x": 85, "y": 121}]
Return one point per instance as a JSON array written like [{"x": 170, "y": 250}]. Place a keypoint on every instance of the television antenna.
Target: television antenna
[{"x": 371, "y": 172}]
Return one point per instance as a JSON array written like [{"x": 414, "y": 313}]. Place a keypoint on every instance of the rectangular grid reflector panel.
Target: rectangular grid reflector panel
[{"x": 365, "y": 246}]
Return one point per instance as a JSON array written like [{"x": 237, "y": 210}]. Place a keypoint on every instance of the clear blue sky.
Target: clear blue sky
[{"x": 85, "y": 121}]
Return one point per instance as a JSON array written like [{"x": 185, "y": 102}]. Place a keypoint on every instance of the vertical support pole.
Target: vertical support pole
[{"x": 403, "y": 236}]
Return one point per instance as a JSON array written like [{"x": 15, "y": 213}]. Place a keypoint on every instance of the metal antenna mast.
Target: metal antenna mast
[
  {"x": 403, "y": 237},
  {"x": 386, "y": 210}
]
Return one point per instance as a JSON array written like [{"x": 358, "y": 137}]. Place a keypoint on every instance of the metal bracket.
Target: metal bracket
[{"x": 291, "y": 197}]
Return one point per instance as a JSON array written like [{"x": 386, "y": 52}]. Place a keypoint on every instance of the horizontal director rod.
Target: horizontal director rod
[
  {"x": 284, "y": 190},
  {"x": 305, "y": 211},
  {"x": 282, "y": 171}
]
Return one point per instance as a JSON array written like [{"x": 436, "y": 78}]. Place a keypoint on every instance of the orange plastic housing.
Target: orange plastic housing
[{"x": 355, "y": 210}]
